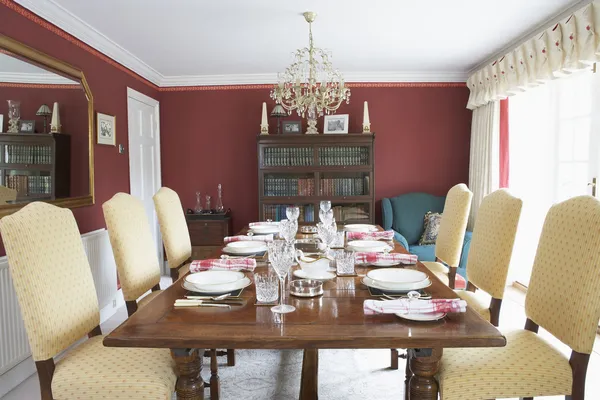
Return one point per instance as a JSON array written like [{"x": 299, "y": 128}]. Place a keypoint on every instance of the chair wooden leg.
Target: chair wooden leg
[
  {"x": 495, "y": 306},
  {"x": 452, "y": 277},
  {"x": 579, "y": 363},
  {"x": 45, "y": 371},
  {"x": 215, "y": 384},
  {"x": 131, "y": 307},
  {"x": 174, "y": 274},
  {"x": 230, "y": 357},
  {"x": 394, "y": 359},
  {"x": 408, "y": 374}
]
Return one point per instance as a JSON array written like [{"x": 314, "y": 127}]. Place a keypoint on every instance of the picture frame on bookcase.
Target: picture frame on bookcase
[
  {"x": 291, "y": 127},
  {"x": 106, "y": 129},
  {"x": 336, "y": 124},
  {"x": 1, "y": 123},
  {"x": 26, "y": 126}
]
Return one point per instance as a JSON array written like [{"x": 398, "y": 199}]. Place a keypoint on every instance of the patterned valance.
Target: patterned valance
[{"x": 570, "y": 45}]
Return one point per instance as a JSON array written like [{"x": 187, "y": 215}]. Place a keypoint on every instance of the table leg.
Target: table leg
[
  {"x": 408, "y": 375},
  {"x": 310, "y": 375},
  {"x": 215, "y": 385},
  {"x": 424, "y": 364},
  {"x": 188, "y": 365}
]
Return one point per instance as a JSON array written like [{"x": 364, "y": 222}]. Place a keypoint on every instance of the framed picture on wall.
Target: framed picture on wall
[
  {"x": 106, "y": 129},
  {"x": 291, "y": 126},
  {"x": 337, "y": 123}
]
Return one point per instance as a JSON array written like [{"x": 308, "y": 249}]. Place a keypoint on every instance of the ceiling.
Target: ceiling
[{"x": 181, "y": 42}]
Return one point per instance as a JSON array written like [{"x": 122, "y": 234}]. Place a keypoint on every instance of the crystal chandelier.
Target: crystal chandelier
[{"x": 311, "y": 85}]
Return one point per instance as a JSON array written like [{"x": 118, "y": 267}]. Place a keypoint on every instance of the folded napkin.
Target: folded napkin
[
  {"x": 231, "y": 264},
  {"x": 385, "y": 235},
  {"x": 242, "y": 238},
  {"x": 262, "y": 223},
  {"x": 404, "y": 306},
  {"x": 370, "y": 258}
]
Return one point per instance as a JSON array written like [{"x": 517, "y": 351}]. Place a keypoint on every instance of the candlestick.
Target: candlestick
[
  {"x": 264, "y": 124},
  {"x": 366, "y": 120}
]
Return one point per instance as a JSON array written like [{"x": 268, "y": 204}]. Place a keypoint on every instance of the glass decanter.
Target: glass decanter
[
  {"x": 220, "y": 207},
  {"x": 198, "y": 208},
  {"x": 208, "y": 203}
]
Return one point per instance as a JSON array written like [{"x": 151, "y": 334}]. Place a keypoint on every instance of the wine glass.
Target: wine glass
[
  {"x": 281, "y": 257},
  {"x": 328, "y": 234},
  {"x": 288, "y": 230},
  {"x": 326, "y": 217},
  {"x": 292, "y": 212},
  {"x": 325, "y": 205}
]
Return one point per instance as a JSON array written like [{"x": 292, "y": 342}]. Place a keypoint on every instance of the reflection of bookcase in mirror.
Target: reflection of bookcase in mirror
[
  {"x": 36, "y": 165},
  {"x": 305, "y": 169}
]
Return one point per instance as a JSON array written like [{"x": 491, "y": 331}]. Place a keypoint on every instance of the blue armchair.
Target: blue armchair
[{"x": 404, "y": 214}]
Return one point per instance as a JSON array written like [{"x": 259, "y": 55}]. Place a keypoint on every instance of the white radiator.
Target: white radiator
[{"x": 14, "y": 347}]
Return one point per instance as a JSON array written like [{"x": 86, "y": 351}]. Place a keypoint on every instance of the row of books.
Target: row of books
[
  {"x": 276, "y": 212},
  {"x": 347, "y": 155},
  {"x": 25, "y": 184},
  {"x": 29, "y": 154},
  {"x": 288, "y": 156},
  {"x": 289, "y": 186},
  {"x": 344, "y": 186},
  {"x": 350, "y": 213}
]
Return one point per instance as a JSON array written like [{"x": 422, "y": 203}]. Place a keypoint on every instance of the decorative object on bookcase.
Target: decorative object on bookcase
[
  {"x": 311, "y": 85},
  {"x": 207, "y": 208},
  {"x": 44, "y": 111},
  {"x": 106, "y": 129},
  {"x": 264, "y": 123},
  {"x": 55, "y": 126},
  {"x": 198, "y": 208},
  {"x": 366, "y": 119},
  {"x": 337, "y": 123},
  {"x": 14, "y": 115},
  {"x": 220, "y": 207},
  {"x": 292, "y": 127},
  {"x": 26, "y": 126},
  {"x": 278, "y": 112},
  {"x": 1, "y": 123}
]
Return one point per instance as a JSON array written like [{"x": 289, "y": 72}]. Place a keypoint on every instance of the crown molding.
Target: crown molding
[
  {"x": 39, "y": 78},
  {"x": 70, "y": 23}
]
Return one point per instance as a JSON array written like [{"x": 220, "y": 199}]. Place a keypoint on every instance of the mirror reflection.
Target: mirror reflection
[{"x": 44, "y": 133}]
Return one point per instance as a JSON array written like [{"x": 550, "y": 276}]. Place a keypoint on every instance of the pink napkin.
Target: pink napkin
[
  {"x": 262, "y": 223},
  {"x": 229, "y": 264},
  {"x": 242, "y": 238},
  {"x": 370, "y": 258},
  {"x": 385, "y": 235},
  {"x": 404, "y": 306}
]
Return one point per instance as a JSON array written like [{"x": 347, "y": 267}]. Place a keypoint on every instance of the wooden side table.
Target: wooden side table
[{"x": 207, "y": 232}]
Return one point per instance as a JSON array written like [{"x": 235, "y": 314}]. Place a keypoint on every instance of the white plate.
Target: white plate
[
  {"x": 245, "y": 247},
  {"x": 385, "y": 263},
  {"x": 211, "y": 278},
  {"x": 360, "y": 228},
  {"x": 374, "y": 284},
  {"x": 422, "y": 316},
  {"x": 219, "y": 289},
  {"x": 323, "y": 276},
  {"x": 369, "y": 246},
  {"x": 397, "y": 278},
  {"x": 265, "y": 229}
]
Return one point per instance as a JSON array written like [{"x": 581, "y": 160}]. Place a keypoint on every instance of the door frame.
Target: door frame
[{"x": 155, "y": 104}]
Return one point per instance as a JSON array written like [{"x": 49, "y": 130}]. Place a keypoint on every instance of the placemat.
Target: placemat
[{"x": 378, "y": 293}]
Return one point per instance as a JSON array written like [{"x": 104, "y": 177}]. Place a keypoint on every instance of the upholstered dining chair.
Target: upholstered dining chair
[
  {"x": 449, "y": 243},
  {"x": 174, "y": 231},
  {"x": 55, "y": 289},
  {"x": 568, "y": 308},
  {"x": 491, "y": 250},
  {"x": 134, "y": 250},
  {"x": 176, "y": 239}
]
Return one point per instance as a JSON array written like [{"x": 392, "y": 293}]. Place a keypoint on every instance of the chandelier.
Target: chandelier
[{"x": 311, "y": 86}]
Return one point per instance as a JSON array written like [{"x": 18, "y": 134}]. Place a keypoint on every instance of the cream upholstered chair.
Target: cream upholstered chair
[
  {"x": 176, "y": 239},
  {"x": 174, "y": 231},
  {"x": 133, "y": 248},
  {"x": 491, "y": 250},
  {"x": 448, "y": 245},
  {"x": 568, "y": 308},
  {"x": 55, "y": 289}
]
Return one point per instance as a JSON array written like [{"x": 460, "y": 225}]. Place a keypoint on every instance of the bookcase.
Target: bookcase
[
  {"x": 36, "y": 165},
  {"x": 302, "y": 170}
]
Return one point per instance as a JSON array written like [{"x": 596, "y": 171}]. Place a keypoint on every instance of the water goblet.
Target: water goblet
[
  {"x": 326, "y": 216},
  {"x": 325, "y": 205},
  {"x": 292, "y": 213},
  {"x": 281, "y": 257},
  {"x": 288, "y": 230},
  {"x": 328, "y": 234},
  {"x": 267, "y": 287}
]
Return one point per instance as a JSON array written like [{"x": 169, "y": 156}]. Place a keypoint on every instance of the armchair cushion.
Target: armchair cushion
[
  {"x": 408, "y": 211},
  {"x": 431, "y": 227}
]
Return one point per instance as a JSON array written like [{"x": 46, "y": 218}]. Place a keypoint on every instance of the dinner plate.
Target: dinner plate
[
  {"x": 360, "y": 228},
  {"x": 375, "y": 246},
  {"x": 384, "y": 263},
  {"x": 245, "y": 248},
  {"x": 374, "y": 284},
  {"x": 422, "y": 316},
  {"x": 218, "y": 289},
  {"x": 323, "y": 276},
  {"x": 211, "y": 278},
  {"x": 265, "y": 229},
  {"x": 397, "y": 278}
]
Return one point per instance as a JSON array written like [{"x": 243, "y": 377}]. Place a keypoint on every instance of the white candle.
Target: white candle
[
  {"x": 264, "y": 114},
  {"x": 366, "y": 120}
]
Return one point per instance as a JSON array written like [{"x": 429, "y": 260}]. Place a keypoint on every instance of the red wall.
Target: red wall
[
  {"x": 109, "y": 88},
  {"x": 209, "y": 137}
]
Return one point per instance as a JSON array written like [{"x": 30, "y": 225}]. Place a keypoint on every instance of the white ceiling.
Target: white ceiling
[{"x": 172, "y": 42}]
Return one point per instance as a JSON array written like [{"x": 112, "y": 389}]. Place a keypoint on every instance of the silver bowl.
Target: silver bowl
[{"x": 306, "y": 288}]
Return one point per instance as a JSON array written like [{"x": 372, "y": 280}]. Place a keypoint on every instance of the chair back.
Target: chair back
[
  {"x": 7, "y": 195},
  {"x": 451, "y": 235},
  {"x": 52, "y": 277},
  {"x": 132, "y": 243},
  {"x": 492, "y": 243},
  {"x": 173, "y": 227},
  {"x": 563, "y": 293}
]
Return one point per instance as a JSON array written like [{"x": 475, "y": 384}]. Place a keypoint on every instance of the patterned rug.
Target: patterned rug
[{"x": 343, "y": 374}]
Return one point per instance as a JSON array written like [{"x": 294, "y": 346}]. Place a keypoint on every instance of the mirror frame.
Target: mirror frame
[{"x": 62, "y": 68}]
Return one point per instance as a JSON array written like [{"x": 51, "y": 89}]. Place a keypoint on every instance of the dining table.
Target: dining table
[{"x": 334, "y": 320}]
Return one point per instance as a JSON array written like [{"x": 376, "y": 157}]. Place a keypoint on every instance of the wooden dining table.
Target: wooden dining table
[{"x": 334, "y": 320}]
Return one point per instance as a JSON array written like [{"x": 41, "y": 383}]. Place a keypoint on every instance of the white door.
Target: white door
[{"x": 144, "y": 157}]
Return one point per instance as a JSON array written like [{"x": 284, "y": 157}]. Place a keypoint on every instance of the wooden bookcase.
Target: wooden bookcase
[
  {"x": 304, "y": 169},
  {"x": 37, "y": 165}
]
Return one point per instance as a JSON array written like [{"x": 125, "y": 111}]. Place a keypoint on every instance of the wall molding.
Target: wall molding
[{"x": 37, "y": 78}]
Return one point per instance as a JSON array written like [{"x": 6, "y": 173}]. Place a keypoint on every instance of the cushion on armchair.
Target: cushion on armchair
[{"x": 431, "y": 227}]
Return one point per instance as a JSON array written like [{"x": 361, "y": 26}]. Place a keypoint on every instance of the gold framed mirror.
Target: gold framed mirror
[{"x": 46, "y": 130}]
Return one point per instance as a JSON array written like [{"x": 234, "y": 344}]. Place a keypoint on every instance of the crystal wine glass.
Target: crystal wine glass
[
  {"x": 328, "y": 234},
  {"x": 281, "y": 257},
  {"x": 288, "y": 230},
  {"x": 292, "y": 212},
  {"x": 325, "y": 205},
  {"x": 326, "y": 217}
]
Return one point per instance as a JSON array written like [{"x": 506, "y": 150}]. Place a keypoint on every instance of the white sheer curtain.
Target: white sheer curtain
[
  {"x": 554, "y": 153},
  {"x": 484, "y": 160}
]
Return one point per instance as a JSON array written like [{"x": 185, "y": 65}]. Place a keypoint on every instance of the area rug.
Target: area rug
[{"x": 343, "y": 374}]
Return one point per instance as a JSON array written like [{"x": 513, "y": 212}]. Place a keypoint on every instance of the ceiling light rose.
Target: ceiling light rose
[{"x": 311, "y": 86}]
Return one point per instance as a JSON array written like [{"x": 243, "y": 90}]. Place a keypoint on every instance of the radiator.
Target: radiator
[{"x": 14, "y": 347}]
